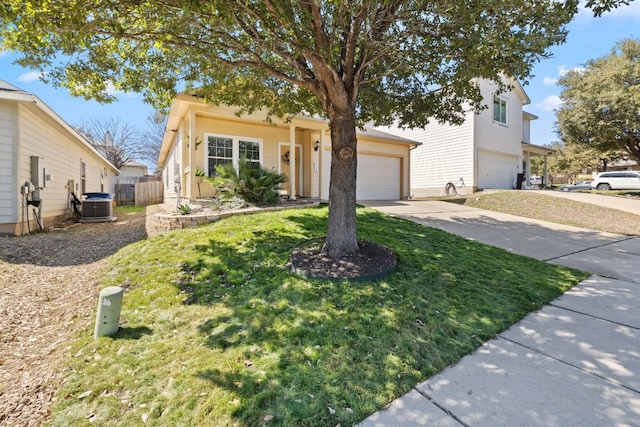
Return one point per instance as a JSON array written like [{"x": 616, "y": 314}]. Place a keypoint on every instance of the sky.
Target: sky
[{"x": 588, "y": 38}]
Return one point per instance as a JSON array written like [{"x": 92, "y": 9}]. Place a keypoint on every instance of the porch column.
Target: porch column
[
  {"x": 527, "y": 173},
  {"x": 187, "y": 190},
  {"x": 292, "y": 162},
  {"x": 545, "y": 182},
  {"x": 324, "y": 195}
]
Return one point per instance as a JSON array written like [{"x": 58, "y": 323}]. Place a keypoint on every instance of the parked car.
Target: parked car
[
  {"x": 580, "y": 185},
  {"x": 617, "y": 180},
  {"x": 535, "y": 180}
]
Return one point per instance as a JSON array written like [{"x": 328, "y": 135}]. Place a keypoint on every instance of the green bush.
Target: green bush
[
  {"x": 184, "y": 209},
  {"x": 252, "y": 182}
]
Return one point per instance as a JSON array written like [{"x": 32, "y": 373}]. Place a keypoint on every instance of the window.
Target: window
[
  {"x": 83, "y": 177},
  {"x": 499, "y": 110},
  {"x": 250, "y": 150},
  {"x": 220, "y": 152},
  {"x": 223, "y": 149}
]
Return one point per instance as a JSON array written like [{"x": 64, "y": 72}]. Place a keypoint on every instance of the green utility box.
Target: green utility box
[{"x": 109, "y": 305}]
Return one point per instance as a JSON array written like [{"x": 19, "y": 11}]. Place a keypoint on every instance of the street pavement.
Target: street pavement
[{"x": 575, "y": 362}]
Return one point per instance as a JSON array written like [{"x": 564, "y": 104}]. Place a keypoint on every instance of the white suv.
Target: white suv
[
  {"x": 618, "y": 180},
  {"x": 535, "y": 180}
]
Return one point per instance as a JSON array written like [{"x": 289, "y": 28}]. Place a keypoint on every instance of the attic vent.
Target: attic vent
[{"x": 97, "y": 207}]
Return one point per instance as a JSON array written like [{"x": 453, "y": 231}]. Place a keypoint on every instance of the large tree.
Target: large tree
[
  {"x": 152, "y": 138},
  {"x": 118, "y": 141},
  {"x": 351, "y": 61},
  {"x": 601, "y": 103},
  {"x": 575, "y": 159}
]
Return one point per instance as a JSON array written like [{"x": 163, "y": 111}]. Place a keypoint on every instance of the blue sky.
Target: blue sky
[{"x": 588, "y": 38}]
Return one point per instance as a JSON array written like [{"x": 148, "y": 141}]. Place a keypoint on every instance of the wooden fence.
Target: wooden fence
[
  {"x": 139, "y": 191},
  {"x": 149, "y": 193}
]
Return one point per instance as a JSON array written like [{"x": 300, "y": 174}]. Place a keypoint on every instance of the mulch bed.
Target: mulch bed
[
  {"x": 371, "y": 261},
  {"x": 49, "y": 286}
]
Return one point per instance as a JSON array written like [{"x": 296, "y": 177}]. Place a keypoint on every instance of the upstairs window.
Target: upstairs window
[{"x": 499, "y": 110}]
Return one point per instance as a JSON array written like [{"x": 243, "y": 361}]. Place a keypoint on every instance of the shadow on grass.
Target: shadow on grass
[
  {"x": 136, "y": 333},
  {"x": 310, "y": 352}
]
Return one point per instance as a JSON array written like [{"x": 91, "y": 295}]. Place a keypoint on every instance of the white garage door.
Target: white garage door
[
  {"x": 496, "y": 170},
  {"x": 378, "y": 178}
]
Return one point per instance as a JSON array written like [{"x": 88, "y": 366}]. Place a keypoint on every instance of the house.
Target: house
[
  {"x": 199, "y": 136},
  {"x": 488, "y": 150},
  {"x": 42, "y": 161},
  {"x": 623, "y": 164},
  {"x": 133, "y": 169}
]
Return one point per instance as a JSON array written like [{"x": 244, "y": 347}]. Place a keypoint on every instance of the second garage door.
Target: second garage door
[
  {"x": 496, "y": 170},
  {"x": 379, "y": 177}
]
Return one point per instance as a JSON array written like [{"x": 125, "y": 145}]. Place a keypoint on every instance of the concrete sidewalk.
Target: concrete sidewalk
[{"x": 576, "y": 362}]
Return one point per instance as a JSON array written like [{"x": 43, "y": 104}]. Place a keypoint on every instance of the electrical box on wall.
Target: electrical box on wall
[{"x": 35, "y": 171}]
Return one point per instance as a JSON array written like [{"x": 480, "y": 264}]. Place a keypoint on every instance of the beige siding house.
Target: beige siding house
[
  {"x": 42, "y": 161},
  {"x": 488, "y": 150},
  {"x": 199, "y": 136}
]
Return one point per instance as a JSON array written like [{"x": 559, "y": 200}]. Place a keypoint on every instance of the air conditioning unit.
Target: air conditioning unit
[{"x": 97, "y": 207}]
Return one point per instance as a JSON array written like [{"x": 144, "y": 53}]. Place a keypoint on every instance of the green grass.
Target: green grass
[
  {"x": 128, "y": 209},
  {"x": 219, "y": 332}
]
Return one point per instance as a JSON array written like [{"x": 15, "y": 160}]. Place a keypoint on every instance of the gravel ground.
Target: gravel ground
[{"x": 49, "y": 285}]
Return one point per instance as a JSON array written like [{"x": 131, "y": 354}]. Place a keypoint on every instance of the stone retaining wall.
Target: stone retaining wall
[{"x": 168, "y": 222}]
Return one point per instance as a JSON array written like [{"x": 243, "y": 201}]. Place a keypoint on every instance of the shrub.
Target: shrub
[
  {"x": 184, "y": 209},
  {"x": 254, "y": 183}
]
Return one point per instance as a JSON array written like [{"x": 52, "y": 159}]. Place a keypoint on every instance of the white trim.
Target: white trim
[
  {"x": 506, "y": 110},
  {"x": 25, "y": 99},
  {"x": 299, "y": 184},
  {"x": 235, "y": 147}
]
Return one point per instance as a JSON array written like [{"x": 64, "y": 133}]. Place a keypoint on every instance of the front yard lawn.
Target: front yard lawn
[
  {"x": 538, "y": 205},
  {"x": 219, "y": 332}
]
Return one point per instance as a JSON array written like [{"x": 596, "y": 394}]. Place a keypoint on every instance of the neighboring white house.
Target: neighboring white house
[
  {"x": 42, "y": 161},
  {"x": 199, "y": 136},
  {"x": 133, "y": 169},
  {"x": 488, "y": 150}
]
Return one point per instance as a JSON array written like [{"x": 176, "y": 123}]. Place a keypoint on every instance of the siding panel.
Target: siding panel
[
  {"x": 446, "y": 154},
  {"x": 9, "y": 194}
]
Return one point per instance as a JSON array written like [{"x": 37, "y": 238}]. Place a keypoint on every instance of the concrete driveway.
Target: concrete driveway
[
  {"x": 605, "y": 254},
  {"x": 576, "y": 362}
]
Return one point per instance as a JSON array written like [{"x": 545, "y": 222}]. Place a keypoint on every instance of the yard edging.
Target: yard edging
[{"x": 168, "y": 222}]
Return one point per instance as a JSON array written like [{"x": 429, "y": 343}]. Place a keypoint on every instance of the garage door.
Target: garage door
[
  {"x": 378, "y": 178},
  {"x": 496, "y": 170}
]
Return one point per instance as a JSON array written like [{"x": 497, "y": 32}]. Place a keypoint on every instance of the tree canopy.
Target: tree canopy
[
  {"x": 575, "y": 159},
  {"x": 601, "y": 102},
  {"x": 351, "y": 61}
]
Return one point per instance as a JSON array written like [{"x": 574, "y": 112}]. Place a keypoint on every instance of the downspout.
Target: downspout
[{"x": 411, "y": 148}]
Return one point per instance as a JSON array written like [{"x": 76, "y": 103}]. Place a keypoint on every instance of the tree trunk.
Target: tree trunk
[{"x": 341, "y": 232}]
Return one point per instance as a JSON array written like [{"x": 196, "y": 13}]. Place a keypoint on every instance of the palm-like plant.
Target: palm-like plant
[{"x": 251, "y": 181}]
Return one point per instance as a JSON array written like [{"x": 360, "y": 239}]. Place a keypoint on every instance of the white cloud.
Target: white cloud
[
  {"x": 3, "y": 53},
  {"x": 550, "y": 81},
  {"x": 550, "y": 103},
  {"x": 29, "y": 77},
  {"x": 111, "y": 89},
  {"x": 563, "y": 70}
]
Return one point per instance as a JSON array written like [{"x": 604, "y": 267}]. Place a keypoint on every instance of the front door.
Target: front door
[{"x": 284, "y": 167}]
